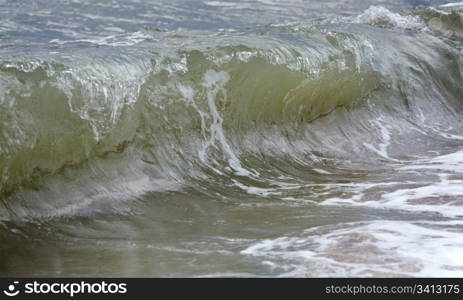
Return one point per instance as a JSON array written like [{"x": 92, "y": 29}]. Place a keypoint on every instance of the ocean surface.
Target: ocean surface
[{"x": 254, "y": 138}]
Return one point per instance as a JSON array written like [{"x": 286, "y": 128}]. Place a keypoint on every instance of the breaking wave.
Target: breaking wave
[{"x": 260, "y": 111}]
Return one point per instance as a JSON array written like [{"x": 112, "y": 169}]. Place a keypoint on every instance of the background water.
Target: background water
[{"x": 231, "y": 138}]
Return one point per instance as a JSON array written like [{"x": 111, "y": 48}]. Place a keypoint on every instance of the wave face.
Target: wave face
[
  {"x": 201, "y": 100},
  {"x": 337, "y": 133}
]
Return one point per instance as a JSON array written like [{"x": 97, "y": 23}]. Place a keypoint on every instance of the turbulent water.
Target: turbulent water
[{"x": 231, "y": 138}]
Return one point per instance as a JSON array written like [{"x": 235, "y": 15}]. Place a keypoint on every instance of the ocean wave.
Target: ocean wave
[{"x": 190, "y": 105}]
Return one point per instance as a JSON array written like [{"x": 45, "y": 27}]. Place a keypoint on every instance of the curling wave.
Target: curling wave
[{"x": 260, "y": 111}]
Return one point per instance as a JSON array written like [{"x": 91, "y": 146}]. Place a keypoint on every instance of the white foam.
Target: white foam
[
  {"x": 255, "y": 190},
  {"x": 379, "y": 14},
  {"x": 378, "y": 249},
  {"x": 452, "y": 4},
  {"x": 115, "y": 40},
  {"x": 441, "y": 194},
  {"x": 452, "y": 162},
  {"x": 220, "y": 3},
  {"x": 214, "y": 83},
  {"x": 386, "y": 140},
  {"x": 105, "y": 87},
  {"x": 320, "y": 171}
]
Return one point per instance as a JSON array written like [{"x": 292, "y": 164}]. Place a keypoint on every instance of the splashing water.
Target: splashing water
[{"x": 169, "y": 141}]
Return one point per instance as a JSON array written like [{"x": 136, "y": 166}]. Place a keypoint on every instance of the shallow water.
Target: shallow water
[{"x": 226, "y": 138}]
